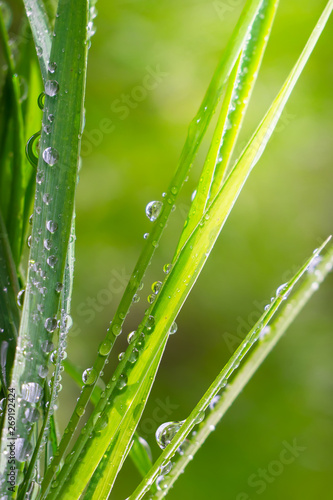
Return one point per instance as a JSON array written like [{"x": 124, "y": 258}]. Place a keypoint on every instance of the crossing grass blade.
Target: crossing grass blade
[
  {"x": 57, "y": 177},
  {"x": 196, "y": 131},
  {"x": 254, "y": 349},
  {"x": 173, "y": 294}
]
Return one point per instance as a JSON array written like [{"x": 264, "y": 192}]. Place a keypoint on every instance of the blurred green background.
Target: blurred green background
[
  {"x": 149, "y": 65},
  {"x": 134, "y": 135}
]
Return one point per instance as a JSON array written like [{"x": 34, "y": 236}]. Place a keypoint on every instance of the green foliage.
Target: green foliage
[{"x": 91, "y": 452}]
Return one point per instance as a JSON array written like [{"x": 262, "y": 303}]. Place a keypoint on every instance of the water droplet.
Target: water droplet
[
  {"x": 151, "y": 298},
  {"x": 20, "y": 298},
  {"x": 214, "y": 402},
  {"x": 52, "y": 261},
  {"x": 31, "y": 414},
  {"x": 52, "y": 66},
  {"x": 50, "y": 156},
  {"x": 167, "y": 268},
  {"x": 146, "y": 446},
  {"x": 47, "y": 346},
  {"x": 165, "y": 469},
  {"x": 161, "y": 483},
  {"x": 59, "y": 286},
  {"x": 89, "y": 376},
  {"x": 41, "y": 100},
  {"x": 133, "y": 357},
  {"x": 51, "y": 226},
  {"x": 153, "y": 210},
  {"x": 136, "y": 298},
  {"x": 101, "y": 422},
  {"x": 281, "y": 291},
  {"x": 166, "y": 432},
  {"x": 50, "y": 324},
  {"x": 43, "y": 371},
  {"x": 23, "y": 449},
  {"x": 50, "y": 117},
  {"x": 80, "y": 410},
  {"x": 200, "y": 417},
  {"x": 51, "y": 87},
  {"x": 122, "y": 381},
  {"x": 39, "y": 51},
  {"x": 130, "y": 337},
  {"x": 47, "y": 198},
  {"x": 146, "y": 236},
  {"x": 121, "y": 356},
  {"x": 31, "y": 392},
  {"x": 174, "y": 328},
  {"x": 150, "y": 323},
  {"x": 105, "y": 348},
  {"x": 32, "y": 149},
  {"x": 156, "y": 287}
]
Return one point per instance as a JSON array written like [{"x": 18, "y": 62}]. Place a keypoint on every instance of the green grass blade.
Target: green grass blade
[
  {"x": 189, "y": 264},
  {"x": 196, "y": 132},
  {"x": 41, "y": 32},
  {"x": 9, "y": 315},
  {"x": 251, "y": 341},
  {"x": 266, "y": 343},
  {"x": 53, "y": 208},
  {"x": 234, "y": 106},
  {"x": 16, "y": 203}
]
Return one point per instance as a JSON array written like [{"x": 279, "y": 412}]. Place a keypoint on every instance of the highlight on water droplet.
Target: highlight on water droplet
[
  {"x": 20, "y": 298},
  {"x": 52, "y": 261},
  {"x": 31, "y": 392},
  {"x": 105, "y": 348},
  {"x": 51, "y": 226},
  {"x": 89, "y": 376},
  {"x": 166, "y": 432},
  {"x": 173, "y": 328},
  {"x": 50, "y": 324},
  {"x": 52, "y": 66},
  {"x": 153, "y": 210}
]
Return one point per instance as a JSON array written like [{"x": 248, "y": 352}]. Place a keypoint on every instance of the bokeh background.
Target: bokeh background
[{"x": 135, "y": 128}]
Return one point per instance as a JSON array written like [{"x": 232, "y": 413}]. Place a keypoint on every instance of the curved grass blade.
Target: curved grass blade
[
  {"x": 16, "y": 204},
  {"x": 234, "y": 106},
  {"x": 196, "y": 132},
  {"x": 231, "y": 369},
  {"x": 53, "y": 211},
  {"x": 41, "y": 32},
  {"x": 270, "y": 335},
  {"x": 185, "y": 271}
]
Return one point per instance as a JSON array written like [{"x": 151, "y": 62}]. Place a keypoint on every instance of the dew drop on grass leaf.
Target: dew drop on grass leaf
[
  {"x": 23, "y": 449},
  {"x": 51, "y": 226},
  {"x": 47, "y": 198},
  {"x": 89, "y": 376},
  {"x": 50, "y": 324},
  {"x": 20, "y": 298},
  {"x": 50, "y": 117},
  {"x": 116, "y": 330},
  {"x": 47, "y": 244},
  {"x": 174, "y": 328},
  {"x": 150, "y": 323},
  {"x": 130, "y": 337},
  {"x": 51, "y": 87},
  {"x": 31, "y": 414},
  {"x": 59, "y": 286},
  {"x": 166, "y": 432},
  {"x": 32, "y": 149},
  {"x": 31, "y": 392},
  {"x": 52, "y": 261},
  {"x": 121, "y": 356},
  {"x": 47, "y": 346},
  {"x": 167, "y": 268},
  {"x": 42, "y": 371},
  {"x": 156, "y": 287},
  {"x": 161, "y": 483},
  {"x": 122, "y": 381},
  {"x": 146, "y": 446},
  {"x": 101, "y": 422},
  {"x": 105, "y": 348},
  {"x": 29, "y": 241},
  {"x": 52, "y": 66},
  {"x": 214, "y": 402},
  {"x": 133, "y": 357},
  {"x": 153, "y": 210},
  {"x": 50, "y": 156},
  {"x": 146, "y": 236},
  {"x": 151, "y": 298}
]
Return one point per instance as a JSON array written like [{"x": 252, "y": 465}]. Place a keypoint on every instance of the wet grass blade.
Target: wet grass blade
[
  {"x": 234, "y": 106},
  {"x": 177, "y": 286},
  {"x": 196, "y": 132},
  {"x": 268, "y": 338},
  {"x": 41, "y": 32},
  {"x": 53, "y": 212}
]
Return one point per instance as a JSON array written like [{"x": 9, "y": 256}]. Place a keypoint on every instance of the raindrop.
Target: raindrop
[
  {"x": 121, "y": 356},
  {"x": 20, "y": 298},
  {"x": 32, "y": 149},
  {"x": 136, "y": 298},
  {"x": 101, "y": 422},
  {"x": 41, "y": 100},
  {"x": 167, "y": 268},
  {"x": 23, "y": 449},
  {"x": 43, "y": 371},
  {"x": 50, "y": 156},
  {"x": 133, "y": 357},
  {"x": 52, "y": 66},
  {"x": 153, "y": 210},
  {"x": 51, "y": 87},
  {"x": 59, "y": 286},
  {"x": 161, "y": 483},
  {"x": 146, "y": 236},
  {"x": 89, "y": 376},
  {"x": 47, "y": 346},
  {"x": 52, "y": 261},
  {"x": 50, "y": 324},
  {"x": 104, "y": 348},
  {"x": 31, "y": 392},
  {"x": 166, "y": 469},
  {"x": 166, "y": 432},
  {"x": 156, "y": 287},
  {"x": 39, "y": 51},
  {"x": 200, "y": 417},
  {"x": 150, "y": 323},
  {"x": 47, "y": 244},
  {"x": 151, "y": 298},
  {"x": 116, "y": 330},
  {"x": 51, "y": 226},
  {"x": 130, "y": 337},
  {"x": 122, "y": 381},
  {"x": 281, "y": 291},
  {"x": 50, "y": 117},
  {"x": 174, "y": 328},
  {"x": 31, "y": 414},
  {"x": 47, "y": 198},
  {"x": 29, "y": 241},
  {"x": 214, "y": 402}
]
